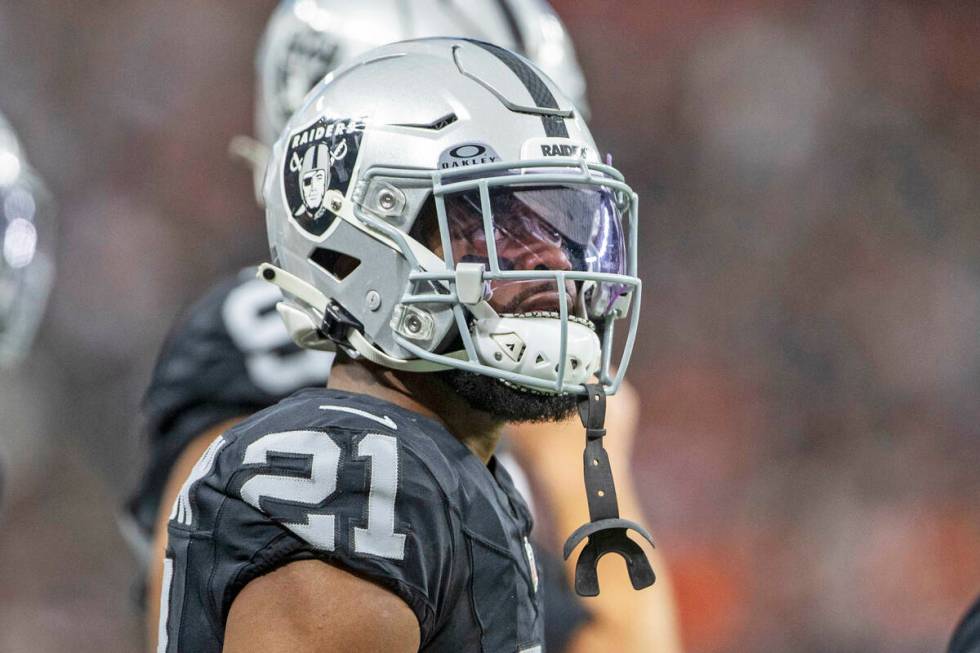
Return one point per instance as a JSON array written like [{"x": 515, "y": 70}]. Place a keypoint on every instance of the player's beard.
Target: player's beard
[{"x": 508, "y": 402}]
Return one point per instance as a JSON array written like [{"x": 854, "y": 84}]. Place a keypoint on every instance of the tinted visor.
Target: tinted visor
[{"x": 555, "y": 228}]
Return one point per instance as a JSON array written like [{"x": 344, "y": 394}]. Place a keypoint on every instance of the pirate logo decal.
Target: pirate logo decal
[
  {"x": 314, "y": 178},
  {"x": 319, "y": 158}
]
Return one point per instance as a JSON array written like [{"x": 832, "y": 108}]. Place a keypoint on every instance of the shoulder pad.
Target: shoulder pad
[{"x": 342, "y": 484}]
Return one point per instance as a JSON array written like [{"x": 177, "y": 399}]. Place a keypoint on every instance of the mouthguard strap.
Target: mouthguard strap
[{"x": 606, "y": 531}]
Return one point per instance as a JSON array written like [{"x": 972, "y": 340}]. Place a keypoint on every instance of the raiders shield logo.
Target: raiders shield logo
[{"x": 319, "y": 158}]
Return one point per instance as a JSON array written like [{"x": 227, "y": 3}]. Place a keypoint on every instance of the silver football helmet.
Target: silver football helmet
[
  {"x": 467, "y": 220},
  {"x": 26, "y": 261},
  {"x": 306, "y": 39}
]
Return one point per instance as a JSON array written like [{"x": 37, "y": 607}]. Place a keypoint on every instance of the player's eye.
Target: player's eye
[{"x": 551, "y": 233}]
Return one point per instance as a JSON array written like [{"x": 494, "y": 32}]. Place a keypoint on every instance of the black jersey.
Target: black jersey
[
  {"x": 229, "y": 357},
  {"x": 966, "y": 639},
  {"x": 367, "y": 486}
]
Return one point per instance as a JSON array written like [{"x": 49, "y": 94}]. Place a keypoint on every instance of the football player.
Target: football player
[
  {"x": 469, "y": 264},
  {"x": 232, "y": 355},
  {"x": 26, "y": 264},
  {"x": 966, "y": 637}
]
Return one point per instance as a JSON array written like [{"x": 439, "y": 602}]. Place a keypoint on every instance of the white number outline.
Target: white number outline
[
  {"x": 324, "y": 454},
  {"x": 378, "y": 537},
  {"x": 163, "y": 633}
]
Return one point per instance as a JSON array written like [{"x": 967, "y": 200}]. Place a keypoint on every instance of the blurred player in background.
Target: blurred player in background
[
  {"x": 26, "y": 266},
  {"x": 231, "y": 355},
  {"x": 306, "y": 39},
  {"x": 26, "y": 262}
]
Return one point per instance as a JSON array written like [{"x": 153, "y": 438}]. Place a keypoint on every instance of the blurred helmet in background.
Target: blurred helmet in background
[
  {"x": 307, "y": 39},
  {"x": 440, "y": 204},
  {"x": 26, "y": 244}
]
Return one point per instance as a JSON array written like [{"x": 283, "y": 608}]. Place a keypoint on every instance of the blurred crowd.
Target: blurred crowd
[{"x": 809, "y": 176}]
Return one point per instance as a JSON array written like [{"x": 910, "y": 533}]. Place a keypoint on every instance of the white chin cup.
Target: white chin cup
[{"x": 531, "y": 346}]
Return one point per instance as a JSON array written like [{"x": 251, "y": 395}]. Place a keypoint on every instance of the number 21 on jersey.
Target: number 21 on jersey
[
  {"x": 378, "y": 538},
  {"x": 310, "y": 490}
]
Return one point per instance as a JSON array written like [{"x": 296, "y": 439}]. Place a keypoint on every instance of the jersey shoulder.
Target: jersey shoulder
[
  {"x": 350, "y": 480},
  {"x": 372, "y": 488},
  {"x": 426, "y": 449}
]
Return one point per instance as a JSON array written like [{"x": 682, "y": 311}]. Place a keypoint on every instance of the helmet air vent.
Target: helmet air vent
[
  {"x": 336, "y": 264},
  {"x": 435, "y": 125}
]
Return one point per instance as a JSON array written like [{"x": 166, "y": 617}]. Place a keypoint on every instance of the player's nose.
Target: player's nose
[{"x": 535, "y": 254}]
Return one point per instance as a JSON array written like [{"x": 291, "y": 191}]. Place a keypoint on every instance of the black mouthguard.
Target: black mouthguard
[{"x": 607, "y": 532}]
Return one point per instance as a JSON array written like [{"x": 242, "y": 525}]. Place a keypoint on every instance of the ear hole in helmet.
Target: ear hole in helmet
[
  {"x": 425, "y": 229},
  {"x": 336, "y": 264}
]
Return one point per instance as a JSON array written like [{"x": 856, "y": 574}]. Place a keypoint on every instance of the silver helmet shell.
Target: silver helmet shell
[
  {"x": 26, "y": 261},
  {"x": 306, "y": 39},
  {"x": 417, "y": 122}
]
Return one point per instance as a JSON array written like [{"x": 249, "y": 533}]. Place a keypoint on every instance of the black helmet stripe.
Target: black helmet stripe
[{"x": 540, "y": 93}]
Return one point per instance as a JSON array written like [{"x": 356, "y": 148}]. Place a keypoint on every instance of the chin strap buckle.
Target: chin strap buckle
[
  {"x": 606, "y": 532},
  {"x": 338, "y": 323}
]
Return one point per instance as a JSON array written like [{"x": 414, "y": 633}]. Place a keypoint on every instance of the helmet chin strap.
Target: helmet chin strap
[
  {"x": 312, "y": 296},
  {"x": 606, "y": 532},
  {"x": 375, "y": 355}
]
